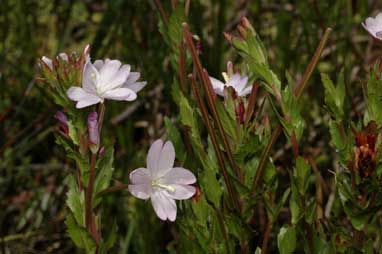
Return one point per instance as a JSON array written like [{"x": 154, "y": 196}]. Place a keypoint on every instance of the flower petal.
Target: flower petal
[
  {"x": 153, "y": 155},
  {"x": 136, "y": 87},
  {"x": 120, "y": 94},
  {"x": 164, "y": 206},
  {"x": 119, "y": 78},
  {"x": 218, "y": 86},
  {"x": 140, "y": 176},
  {"x": 245, "y": 91},
  {"x": 82, "y": 97},
  {"x": 89, "y": 78},
  {"x": 166, "y": 160},
  {"x": 107, "y": 72},
  {"x": 98, "y": 64},
  {"x": 178, "y": 176},
  {"x": 182, "y": 191},
  {"x": 142, "y": 191},
  {"x": 133, "y": 77},
  {"x": 240, "y": 85}
]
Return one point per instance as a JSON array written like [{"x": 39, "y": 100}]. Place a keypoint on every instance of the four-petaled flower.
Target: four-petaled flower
[
  {"x": 107, "y": 79},
  {"x": 236, "y": 81},
  {"x": 161, "y": 182},
  {"x": 374, "y": 26}
]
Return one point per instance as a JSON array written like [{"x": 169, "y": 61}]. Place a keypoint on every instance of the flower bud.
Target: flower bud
[
  {"x": 47, "y": 62},
  {"x": 93, "y": 133},
  {"x": 63, "y": 128},
  {"x": 101, "y": 151}
]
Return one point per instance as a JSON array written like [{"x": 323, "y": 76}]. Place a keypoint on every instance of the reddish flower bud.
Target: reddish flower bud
[
  {"x": 101, "y": 151},
  {"x": 93, "y": 133},
  {"x": 63, "y": 127}
]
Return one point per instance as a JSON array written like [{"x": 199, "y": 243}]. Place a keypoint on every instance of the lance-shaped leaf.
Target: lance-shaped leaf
[{"x": 334, "y": 96}]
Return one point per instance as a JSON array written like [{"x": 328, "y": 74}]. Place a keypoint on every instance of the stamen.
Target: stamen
[
  {"x": 163, "y": 186},
  {"x": 225, "y": 76},
  {"x": 93, "y": 76}
]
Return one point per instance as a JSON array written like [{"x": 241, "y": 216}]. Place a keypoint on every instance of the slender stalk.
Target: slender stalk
[
  {"x": 267, "y": 233},
  {"x": 308, "y": 72},
  {"x": 207, "y": 86},
  {"x": 251, "y": 103},
  {"x": 162, "y": 12},
  {"x": 231, "y": 191},
  {"x": 297, "y": 92},
  {"x": 89, "y": 217},
  {"x": 295, "y": 145},
  {"x": 182, "y": 67},
  {"x": 223, "y": 230},
  {"x": 264, "y": 157}
]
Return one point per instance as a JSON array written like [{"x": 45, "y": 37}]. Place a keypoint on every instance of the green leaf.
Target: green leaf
[
  {"x": 110, "y": 239},
  {"x": 294, "y": 204},
  {"x": 334, "y": 96},
  {"x": 81, "y": 238},
  {"x": 229, "y": 124},
  {"x": 75, "y": 201},
  {"x": 374, "y": 98},
  {"x": 174, "y": 135},
  {"x": 302, "y": 173},
  {"x": 104, "y": 174},
  {"x": 73, "y": 134},
  {"x": 286, "y": 240}
]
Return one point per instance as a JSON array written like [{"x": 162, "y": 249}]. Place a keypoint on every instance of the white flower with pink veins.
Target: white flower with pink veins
[
  {"x": 162, "y": 183},
  {"x": 107, "y": 79},
  {"x": 374, "y": 26}
]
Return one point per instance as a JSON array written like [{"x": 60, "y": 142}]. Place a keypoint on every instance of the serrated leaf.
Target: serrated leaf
[
  {"x": 81, "y": 238},
  {"x": 75, "y": 201}
]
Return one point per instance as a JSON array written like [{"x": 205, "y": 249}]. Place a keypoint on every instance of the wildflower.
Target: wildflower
[
  {"x": 93, "y": 132},
  {"x": 236, "y": 81},
  {"x": 374, "y": 26},
  {"x": 107, "y": 79},
  {"x": 162, "y": 183},
  {"x": 63, "y": 120}
]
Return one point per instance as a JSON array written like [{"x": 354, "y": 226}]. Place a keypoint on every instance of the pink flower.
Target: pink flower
[
  {"x": 236, "y": 81},
  {"x": 160, "y": 182},
  {"x": 374, "y": 26},
  {"x": 107, "y": 79}
]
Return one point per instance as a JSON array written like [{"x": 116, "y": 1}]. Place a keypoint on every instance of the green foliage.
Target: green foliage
[
  {"x": 334, "y": 95},
  {"x": 287, "y": 240},
  {"x": 374, "y": 98}
]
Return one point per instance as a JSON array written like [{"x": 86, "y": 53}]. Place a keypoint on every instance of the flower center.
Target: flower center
[{"x": 169, "y": 188}]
